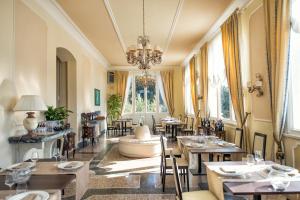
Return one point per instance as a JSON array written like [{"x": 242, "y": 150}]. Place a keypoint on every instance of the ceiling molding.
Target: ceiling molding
[
  {"x": 174, "y": 22},
  {"x": 135, "y": 68},
  {"x": 116, "y": 27},
  {"x": 215, "y": 28},
  {"x": 119, "y": 34},
  {"x": 53, "y": 9}
]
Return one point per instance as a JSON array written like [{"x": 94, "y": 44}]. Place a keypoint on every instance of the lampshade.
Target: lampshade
[{"x": 30, "y": 103}]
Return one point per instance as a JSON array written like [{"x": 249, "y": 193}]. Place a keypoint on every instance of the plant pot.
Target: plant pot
[{"x": 52, "y": 124}]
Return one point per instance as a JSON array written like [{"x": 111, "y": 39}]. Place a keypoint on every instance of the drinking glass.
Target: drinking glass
[
  {"x": 34, "y": 157},
  {"x": 250, "y": 160},
  {"x": 258, "y": 156},
  {"x": 56, "y": 153},
  {"x": 9, "y": 179}
]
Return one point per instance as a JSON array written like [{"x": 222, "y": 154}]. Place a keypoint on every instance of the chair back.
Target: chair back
[
  {"x": 176, "y": 178},
  {"x": 238, "y": 138},
  {"x": 296, "y": 157},
  {"x": 191, "y": 124},
  {"x": 180, "y": 117},
  {"x": 259, "y": 143},
  {"x": 163, "y": 151}
]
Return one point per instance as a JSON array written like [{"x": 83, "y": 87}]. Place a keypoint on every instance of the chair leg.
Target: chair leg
[
  {"x": 161, "y": 162},
  {"x": 164, "y": 179},
  {"x": 187, "y": 179},
  {"x": 183, "y": 172}
]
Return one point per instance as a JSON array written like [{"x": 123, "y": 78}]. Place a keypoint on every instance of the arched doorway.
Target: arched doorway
[{"x": 66, "y": 92}]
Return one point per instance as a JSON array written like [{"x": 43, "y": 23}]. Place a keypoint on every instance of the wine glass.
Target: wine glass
[
  {"x": 250, "y": 160},
  {"x": 56, "y": 153},
  {"x": 258, "y": 156},
  {"x": 9, "y": 180},
  {"x": 34, "y": 157}
]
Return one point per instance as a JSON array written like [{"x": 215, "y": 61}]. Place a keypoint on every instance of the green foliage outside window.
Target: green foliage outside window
[{"x": 225, "y": 102}]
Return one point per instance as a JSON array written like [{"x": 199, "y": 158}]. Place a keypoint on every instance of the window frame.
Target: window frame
[{"x": 157, "y": 92}]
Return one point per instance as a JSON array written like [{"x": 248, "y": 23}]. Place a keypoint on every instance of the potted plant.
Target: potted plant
[
  {"x": 114, "y": 104},
  {"x": 56, "y": 116}
]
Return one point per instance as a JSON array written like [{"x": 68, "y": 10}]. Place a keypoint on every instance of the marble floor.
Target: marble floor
[{"x": 113, "y": 176}]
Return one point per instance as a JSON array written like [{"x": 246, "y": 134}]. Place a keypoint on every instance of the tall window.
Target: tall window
[
  {"x": 140, "y": 99},
  {"x": 219, "y": 102},
  {"x": 294, "y": 62},
  {"x": 187, "y": 97}
]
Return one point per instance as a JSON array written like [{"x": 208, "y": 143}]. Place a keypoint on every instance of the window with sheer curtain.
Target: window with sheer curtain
[
  {"x": 187, "y": 97},
  {"x": 294, "y": 62},
  {"x": 140, "y": 99},
  {"x": 219, "y": 102}
]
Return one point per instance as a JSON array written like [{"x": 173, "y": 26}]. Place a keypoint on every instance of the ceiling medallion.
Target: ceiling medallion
[
  {"x": 146, "y": 79},
  {"x": 142, "y": 54}
]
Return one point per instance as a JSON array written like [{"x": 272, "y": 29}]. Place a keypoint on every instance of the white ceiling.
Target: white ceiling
[
  {"x": 128, "y": 22},
  {"x": 175, "y": 25}
]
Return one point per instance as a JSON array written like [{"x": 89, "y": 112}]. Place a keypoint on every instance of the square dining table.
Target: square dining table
[
  {"x": 209, "y": 148},
  {"x": 47, "y": 175},
  {"x": 254, "y": 181}
]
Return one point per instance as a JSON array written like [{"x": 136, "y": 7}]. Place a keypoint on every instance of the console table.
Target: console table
[{"x": 44, "y": 143}]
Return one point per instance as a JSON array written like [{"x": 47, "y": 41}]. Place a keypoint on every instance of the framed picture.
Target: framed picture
[{"x": 97, "y": 97}]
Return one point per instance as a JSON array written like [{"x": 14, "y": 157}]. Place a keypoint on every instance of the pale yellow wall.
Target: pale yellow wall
[{"x": 28, "y": 66}]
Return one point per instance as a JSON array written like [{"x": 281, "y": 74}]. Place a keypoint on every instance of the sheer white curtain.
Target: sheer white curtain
[
  {"x": 295, "y": 18},
  {"x": 129, "y": 80},
  {"x": 216, "y": 73},
  {"x": 188, "y": 98}
]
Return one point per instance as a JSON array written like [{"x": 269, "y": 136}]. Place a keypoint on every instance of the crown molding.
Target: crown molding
[
  {"x": 118, "y": 32},
  {"x": 215, "y": 28},
  {"x": 53, "y": 9},
  {"x": 174, "y": 23}
]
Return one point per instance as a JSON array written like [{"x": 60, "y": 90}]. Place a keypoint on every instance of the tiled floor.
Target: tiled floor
[{"x": 113, "y": 176}]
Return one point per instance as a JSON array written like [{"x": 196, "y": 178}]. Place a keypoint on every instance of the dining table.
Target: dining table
[
  {"x": 197, "y": 146},
  {"x": 174, "y": 123},
  {"x": 247, "y": 180},
  {"x": 47, "y": 170},
  {"x": 53, "y": 194},
  {"x": 123, "y": 122}
]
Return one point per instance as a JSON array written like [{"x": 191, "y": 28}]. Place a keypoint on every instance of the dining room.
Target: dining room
[{"x": 149, "y": 99}]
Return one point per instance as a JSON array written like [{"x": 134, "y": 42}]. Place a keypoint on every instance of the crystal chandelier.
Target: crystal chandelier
[
  {"x": 142, "y": 54},
  {"x": 146, "y": 79}
]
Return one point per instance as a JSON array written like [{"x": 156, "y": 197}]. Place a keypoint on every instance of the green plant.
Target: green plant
[
  {"x": 60, "y": 113},
  {"x": 114, "y": 103}
]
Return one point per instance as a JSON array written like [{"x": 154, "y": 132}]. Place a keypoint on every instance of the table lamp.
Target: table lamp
[{"x": 30, "y": 103}]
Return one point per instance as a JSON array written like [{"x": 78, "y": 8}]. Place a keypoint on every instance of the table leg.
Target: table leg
[
  {"x": 176, "y": 131},
  {"x": 125, "y": 126},
  {"x": 211, "y": 157},
  {"x": 172, "y": 131},
  {"x": 199, "y": 163}
]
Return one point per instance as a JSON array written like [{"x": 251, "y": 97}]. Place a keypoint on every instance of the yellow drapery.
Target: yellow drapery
[
  {"x": 194, "y": 87},
  {"x": 230, "y": 42},
  {"x": 203, "y": 59},
  {"x": 168, "y": 85},
  {"x": 121, "y": 83},
  {"x": 277, "y": 26}
]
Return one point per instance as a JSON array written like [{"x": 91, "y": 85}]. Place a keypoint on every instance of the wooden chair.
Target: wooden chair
[
  {"x": 110, "y": 125},
  {"x": 190, "y": 128},
  {"x": 155, "y": 126},
  {"x": 238, "y": 141},
  {"x": 168, "y": 151},
  {"x": 167, "y": 164},
  {"x": 259, "y": 143},
  {"x": 205, "y": 194}
]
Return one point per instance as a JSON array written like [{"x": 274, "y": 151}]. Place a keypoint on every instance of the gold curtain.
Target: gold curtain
[
  {"x": 167, "y": 80},
  {"x": 277, "y": 26},
  {"x": 121, "y": 83},
  {"x": 203, "y": 59},
  {"x": 183, "y": 88},
  {"x": 231, "y": 50},
  {"x": 194, "y": 94}
]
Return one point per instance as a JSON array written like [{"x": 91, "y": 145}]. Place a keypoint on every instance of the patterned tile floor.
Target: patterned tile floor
[{"x": 113, "y": 176}]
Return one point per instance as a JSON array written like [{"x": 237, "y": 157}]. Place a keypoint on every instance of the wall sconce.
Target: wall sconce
[{"x": 258, "y": 86}]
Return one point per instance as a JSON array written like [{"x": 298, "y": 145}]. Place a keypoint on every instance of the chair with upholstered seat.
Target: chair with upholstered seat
[
  {"x": 167, "y": 164},
  {"x": 190, "y": 128},
  {"x": 238, "y": 141},
  {"x": 259, "y": 143},
  {"x": 204, "y": 194}
]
